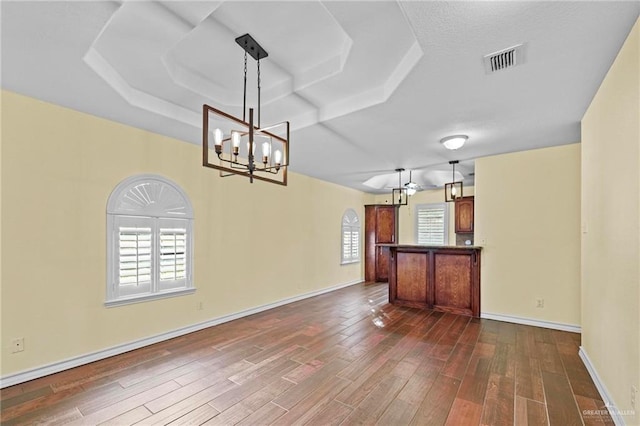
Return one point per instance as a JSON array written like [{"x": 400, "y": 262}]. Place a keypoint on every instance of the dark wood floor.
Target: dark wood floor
[{"x": 346, "y": 357}]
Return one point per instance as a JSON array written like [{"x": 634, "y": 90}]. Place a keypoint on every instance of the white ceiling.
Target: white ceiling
[{"x": 367, "y": 86}]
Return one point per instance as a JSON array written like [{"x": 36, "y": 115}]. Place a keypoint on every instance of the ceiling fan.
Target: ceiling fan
[
  {"x": 420, "y": 180},
  {"x": 411, "y": 186}
]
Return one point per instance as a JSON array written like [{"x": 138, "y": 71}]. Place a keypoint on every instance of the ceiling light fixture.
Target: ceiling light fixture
[
  {"x": 453, "y": 189},
  {"x": 411, "y": 186},
  {"x": 454, "y": 142},
  {"x": 400, "y": 191},
  {"x": 229, "y": 132}
]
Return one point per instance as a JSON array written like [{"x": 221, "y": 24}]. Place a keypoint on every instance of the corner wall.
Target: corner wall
[
  {"x": 527, "y": 219},
  {"x": 611, "y": 229},
  {"x": 253, "y": 244}
]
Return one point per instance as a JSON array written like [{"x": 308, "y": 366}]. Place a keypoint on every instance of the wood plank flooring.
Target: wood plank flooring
[{"x": 342, "y": 358}]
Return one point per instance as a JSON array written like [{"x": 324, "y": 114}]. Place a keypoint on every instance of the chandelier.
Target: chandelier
[
  {"x": 453, "y": 189},
  {"x": 234, "y": 140}
]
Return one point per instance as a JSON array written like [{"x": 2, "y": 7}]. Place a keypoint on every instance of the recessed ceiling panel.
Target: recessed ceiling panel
[{"x": 368, "y": 86}]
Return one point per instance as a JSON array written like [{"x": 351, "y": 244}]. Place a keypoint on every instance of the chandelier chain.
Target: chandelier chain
[
  {"x": 244, "y": 100},
  {"x": 258, "y": 92}
]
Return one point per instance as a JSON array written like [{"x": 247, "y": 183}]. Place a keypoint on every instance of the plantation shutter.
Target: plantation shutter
[
  {"x": 355, "y": 243},
  {"x": 350, "y": 237},
  {"x": 346, "y": 244},
  {"x": 173, "y": 254},
  {"x": 431, "y": 226},
  {"x": 135, "y": 247}
]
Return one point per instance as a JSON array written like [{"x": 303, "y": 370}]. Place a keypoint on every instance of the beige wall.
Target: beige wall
[
  {"x": 527, "y": 218},
  {"x": 58, "y": 169},
  {"x": 407, "y": 218},
  {"x": 611, "y": 228}
]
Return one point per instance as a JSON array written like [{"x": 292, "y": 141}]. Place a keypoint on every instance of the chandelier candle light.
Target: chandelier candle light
[{"x": 227, "y": 133}]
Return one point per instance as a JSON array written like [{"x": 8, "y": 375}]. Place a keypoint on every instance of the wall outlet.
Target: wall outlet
[
  {"x": 199, "y": 306},
  {"x": 634, "y": 391},
  {"x": 539, "y": 303},
  {"x": 17, "y": 345}
]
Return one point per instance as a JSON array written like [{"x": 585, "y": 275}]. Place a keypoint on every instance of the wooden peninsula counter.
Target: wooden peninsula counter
[{"x": 443, "y": 278}]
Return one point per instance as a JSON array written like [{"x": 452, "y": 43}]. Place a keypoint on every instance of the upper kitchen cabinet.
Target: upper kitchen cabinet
[{"x": 464, "y": 215}]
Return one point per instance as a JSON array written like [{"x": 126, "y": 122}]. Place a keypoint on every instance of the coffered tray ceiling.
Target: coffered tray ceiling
[{"x": 367, "y": 86}]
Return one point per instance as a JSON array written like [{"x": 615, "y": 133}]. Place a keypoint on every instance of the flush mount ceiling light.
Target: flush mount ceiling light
[
  {"x": 230, "y": 135},
  {"x": 454, "y": 142},
  {"x": 453, "y": 189}
]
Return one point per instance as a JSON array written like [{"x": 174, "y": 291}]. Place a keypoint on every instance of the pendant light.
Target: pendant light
[
  {"x": 453, "y": 189},
  {"x": 402, "y": 193},
  {"x": 223, "y": 133}
]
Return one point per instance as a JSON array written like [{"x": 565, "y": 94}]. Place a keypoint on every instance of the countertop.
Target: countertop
[{"x": 425, "y": 247}]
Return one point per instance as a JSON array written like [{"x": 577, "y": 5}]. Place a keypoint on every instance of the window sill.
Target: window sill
[
  {"x": 349, "y": 262},
  {"x": 148, "y": 297}
]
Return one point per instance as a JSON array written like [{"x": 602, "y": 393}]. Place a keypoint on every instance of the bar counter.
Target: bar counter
[{"x": 443, "y": 278}]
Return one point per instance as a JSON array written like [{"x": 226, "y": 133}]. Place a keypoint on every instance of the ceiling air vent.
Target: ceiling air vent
[{"x": 503, "y": 59}]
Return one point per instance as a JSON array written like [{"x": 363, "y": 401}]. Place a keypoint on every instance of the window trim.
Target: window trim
[
  {"x": 168, "y": 205},
  {"x": 418, "y": 207},
  {"x": 347, "y": 218}
]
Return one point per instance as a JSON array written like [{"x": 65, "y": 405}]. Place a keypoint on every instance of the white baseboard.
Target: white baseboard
[
  {"x": 45, "y": 370},
  {"x": 534, "y": 322},
  {"x": 616, "y": 415}
]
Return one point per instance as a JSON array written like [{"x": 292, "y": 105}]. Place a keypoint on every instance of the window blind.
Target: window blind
[
  {"x": 431, "y": 225},
  {"x": 134, "y": 256},
  {"x": 346, "y": 244},
  {"x": 173, "y": 257},
  {"x": 355, "y": 244},
  {"x": 350, "y": 237}
]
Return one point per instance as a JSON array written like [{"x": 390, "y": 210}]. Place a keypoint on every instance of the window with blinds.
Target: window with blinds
[
  {"x": 134, "y": 246},
  {"x": 350, "y": 237},
  {"x": 346, "y": 244},
  {"x": 355, "y": 244},
  {"x": 173, "y": 254},
  {"x": 432, "y": 224},
  {"x": 150, "y": 244}
]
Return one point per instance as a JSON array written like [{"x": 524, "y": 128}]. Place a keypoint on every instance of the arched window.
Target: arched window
[
  {"x": 350, "y": 237},
  {"x": 149, "y": 240}
]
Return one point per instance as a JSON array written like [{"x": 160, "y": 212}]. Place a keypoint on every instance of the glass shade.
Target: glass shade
[
  {"x": 235, "y": 139},
  {"x": 412, "y": 188},
  {"x": 217, "y": 137},
  {"x": 454, "y": 142}
]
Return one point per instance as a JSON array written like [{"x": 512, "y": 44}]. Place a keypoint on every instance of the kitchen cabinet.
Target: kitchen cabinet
[
  {"x": 381, "y": 227},
  {"x": 464, "y": 215},
  {"x": 445, "y": 279}
]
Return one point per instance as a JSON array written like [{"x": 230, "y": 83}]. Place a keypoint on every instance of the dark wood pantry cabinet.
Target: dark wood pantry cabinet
[{"x": 381, "y": 227}]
